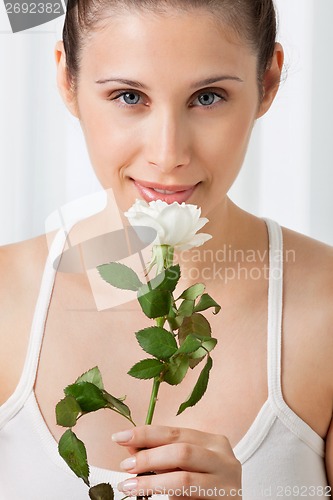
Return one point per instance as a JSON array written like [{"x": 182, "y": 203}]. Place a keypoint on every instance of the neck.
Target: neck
[{"x": 239, "y": 240}]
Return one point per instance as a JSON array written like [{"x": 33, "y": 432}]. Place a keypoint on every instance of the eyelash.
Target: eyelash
[{"x": 208, "y": 91}]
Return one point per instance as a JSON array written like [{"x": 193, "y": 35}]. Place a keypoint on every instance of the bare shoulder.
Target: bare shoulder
[
  {"x": 19, "y": 264},
  {"x": 309, "y": 270},
  {"x": 21, "y": 268},
  {"x": 307, "y": 249},
  {"x": 308, "y": 313},
  {"x": 17, "y": 255}
]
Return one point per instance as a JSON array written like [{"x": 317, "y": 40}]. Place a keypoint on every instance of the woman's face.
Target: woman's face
[{"x": 167, "y": 102}]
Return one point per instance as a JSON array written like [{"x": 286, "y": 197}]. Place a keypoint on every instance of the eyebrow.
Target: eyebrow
[
  {"x": 201, "y": 83},
  {"x": 131, "y": 83},
  {"x": 214, "y": 79}
]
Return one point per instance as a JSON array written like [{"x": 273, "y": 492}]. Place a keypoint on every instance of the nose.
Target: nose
[{"x": 167, "y": 140}]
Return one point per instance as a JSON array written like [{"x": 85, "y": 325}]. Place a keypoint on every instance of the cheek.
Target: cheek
[
  {"x": 225, "y": 141},
  {"x": 106, "y": 143},
  {"x": 221, "y": 149},
  {"x": 110, "y": 143}
]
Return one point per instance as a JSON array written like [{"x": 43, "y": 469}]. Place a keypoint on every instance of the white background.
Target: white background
[{"x": 287, "y": 176}]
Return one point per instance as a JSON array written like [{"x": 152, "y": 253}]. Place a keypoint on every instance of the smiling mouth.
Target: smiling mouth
[
  {"x": 165, "y": 191},
  {"x": 151, "y": 191}
]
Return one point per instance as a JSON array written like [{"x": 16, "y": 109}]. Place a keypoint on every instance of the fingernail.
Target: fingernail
[
  {"x": 129, "y": 485},
  {"x": 128, "y": 463},
  {"x": 122, "y": 437}
]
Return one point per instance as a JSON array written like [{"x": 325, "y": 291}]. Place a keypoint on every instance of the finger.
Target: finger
[
  {"x": 179, "y": 483},
  {"x": 174, "y": 456},
  {"x": 132, "y": 451},
  {"x": 151, "y": 436}
]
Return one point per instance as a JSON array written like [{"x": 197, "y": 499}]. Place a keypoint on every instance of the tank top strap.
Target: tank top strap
[
  {"x": 274, "y": 344},
  {"x": 28, "y": 376},
  {"x": 275, "y": 291}
]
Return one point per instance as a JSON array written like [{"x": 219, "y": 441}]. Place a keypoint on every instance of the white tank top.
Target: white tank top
[{"x": 281, "y": 455}]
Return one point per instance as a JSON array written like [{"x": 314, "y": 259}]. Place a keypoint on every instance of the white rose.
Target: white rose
[{"x": 176, "y": 225}]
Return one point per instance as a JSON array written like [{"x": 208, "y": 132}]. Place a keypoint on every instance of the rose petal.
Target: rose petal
[{"x": 176, "y": 224}]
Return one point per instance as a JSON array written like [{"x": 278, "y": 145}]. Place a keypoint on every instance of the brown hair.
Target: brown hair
[{"x": 253, "y": 20}]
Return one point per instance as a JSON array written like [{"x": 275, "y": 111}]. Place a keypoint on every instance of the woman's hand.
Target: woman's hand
[{"x": 186, "y": 462}]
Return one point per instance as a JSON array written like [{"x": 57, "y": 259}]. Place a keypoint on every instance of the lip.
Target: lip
[{"x": 181, "y": 192}]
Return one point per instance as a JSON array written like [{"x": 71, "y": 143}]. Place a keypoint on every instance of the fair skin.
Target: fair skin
[{"x": 170, "y": 138}]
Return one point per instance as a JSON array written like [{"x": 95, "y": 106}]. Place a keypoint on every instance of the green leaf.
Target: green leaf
[
  {"x": 73, "y": 451},
  {"x": 103, "y": 491},
  {"x": 167, "y": 280},
  {"x": 197, "y": 356},
  {"x": 154, "y": 303},
  {"x": 117, "y": 405},
  {"x": 205, "y": 302},
  {"x": 89, "y": 397},
  {"x": 186, "y": 308},
  {"x": 175, "y": 323},
  {"x": 120, "y": 276},
  {"x": 190, "y": 345},
  {"x": 193, "y": 292},
  {"x": 157, "y": 341},
  {"x": 94, "y": 376},
  {"x": 196, "y": 324},
  {"x": 146, "y": 369},
  {"x": 172, "y": 318},
  {"x": 207, "y": 345},
  {"x": 67, "y": 411},
  {"x": 199, "y": 388},
  {"x": 177, "y": 369}
]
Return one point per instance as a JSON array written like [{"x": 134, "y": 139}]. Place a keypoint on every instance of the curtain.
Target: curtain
[{"x": 287, "y": 174}]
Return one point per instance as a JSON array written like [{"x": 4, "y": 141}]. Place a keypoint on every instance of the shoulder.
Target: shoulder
[
  {"x": 18, "y": 254},
  {"x": 308, "y": 265},
  {"x": 21, "y": 265},
  {"x": 308, "y": 307},
  {"x": 21, "y": 269},
  {"x": 306, "y": 249}
]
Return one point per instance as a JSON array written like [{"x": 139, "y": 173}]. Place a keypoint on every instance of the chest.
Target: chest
[{"x": 77, "y": 337}]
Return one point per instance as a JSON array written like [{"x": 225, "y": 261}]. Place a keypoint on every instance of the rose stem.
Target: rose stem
[
  {"x": 156, "y": 385},
  {"x": 153, "y": 399}
]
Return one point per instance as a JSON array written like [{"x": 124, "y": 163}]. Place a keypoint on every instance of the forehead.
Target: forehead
[{"x": 173, "y": 43}]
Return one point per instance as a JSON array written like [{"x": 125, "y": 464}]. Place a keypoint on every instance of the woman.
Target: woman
[{"x": 167, "y": 94}]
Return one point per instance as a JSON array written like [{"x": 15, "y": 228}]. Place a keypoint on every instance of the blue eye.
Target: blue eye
[
  {"x": 208, "y": 98},
  {"x": 130, "y": 97}
]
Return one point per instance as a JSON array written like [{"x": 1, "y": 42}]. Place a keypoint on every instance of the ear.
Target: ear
[
  {"x": 65, "y": 86},
  {"x": 271, "y": 80}
]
